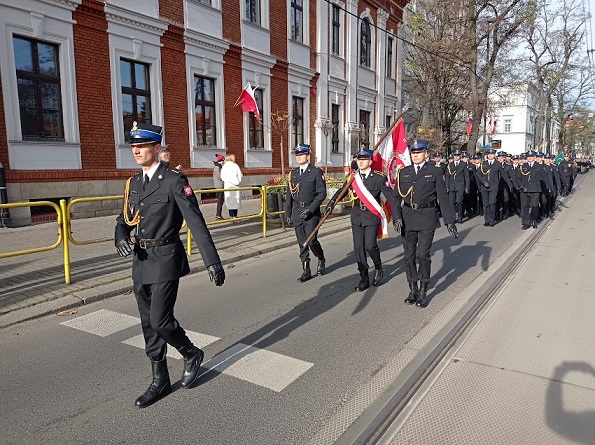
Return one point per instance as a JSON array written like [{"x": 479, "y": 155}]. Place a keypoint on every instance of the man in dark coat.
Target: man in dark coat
[
  {"x": 156, "y": 202},
  {"x": 306, "y": 190},
  {"x": 457, "y": 183},
  {"x": 488, "y": 179},
  {"x": 567, "y": 170},
  {"x": 419, "y": 190},
  {"x": 367, "y": 217},
  {"x": 528, "y": 179}
]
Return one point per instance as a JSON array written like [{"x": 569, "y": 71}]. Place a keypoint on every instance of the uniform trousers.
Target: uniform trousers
[
  {"x": 302, "y": 232},
  {"x": 156, "y": 308},
  {"x": 529, "y": 207},
  {"x": 456, "y": 198},
  {"x": 416, "y": 253},
  {"x": 365, "y": 240},
  {"x": 489, "y": 198},
  {"x": 503, "y": 201}
]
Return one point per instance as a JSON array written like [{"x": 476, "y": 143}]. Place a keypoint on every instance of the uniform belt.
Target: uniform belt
[
  {"x": 304, "y": 204},
  {"x": 145, "y": 243},
  {"x": 420, "y": 206}
]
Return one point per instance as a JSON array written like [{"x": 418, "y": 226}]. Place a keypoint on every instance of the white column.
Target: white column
[
  {"x": 322, "y": 62},
  {"x": 352, "y": 62},
  {"x": 380, "y": 72}
]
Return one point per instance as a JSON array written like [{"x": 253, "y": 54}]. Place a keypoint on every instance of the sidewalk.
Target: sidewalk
[
  {"x": 520, "y": 372},
  {"x": 33, "y": 285}
]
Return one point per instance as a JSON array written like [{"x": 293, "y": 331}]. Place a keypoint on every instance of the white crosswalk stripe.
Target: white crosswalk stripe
[{"x": 254, "y": 365}]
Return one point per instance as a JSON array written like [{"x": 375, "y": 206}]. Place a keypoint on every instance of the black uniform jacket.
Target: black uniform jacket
[
  {"x": 457, "y": 177},
  {"x": 376, "y": 183},
  {"x": 309, "y": 191},
  {"x": 506, "y": 177},
  {"x": 428, "y": 186},
  {"x": 567, "y": 171},
  {"x": 531, "y": 177},
  {"x": 166, "y": 202},
  {"x": 492, "y": 175}
]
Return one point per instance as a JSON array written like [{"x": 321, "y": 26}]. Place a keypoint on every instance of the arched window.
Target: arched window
[{"x": 365, "y": 46}]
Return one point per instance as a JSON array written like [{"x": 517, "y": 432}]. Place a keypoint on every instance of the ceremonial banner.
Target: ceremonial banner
[{"x": 392, "y": 153}]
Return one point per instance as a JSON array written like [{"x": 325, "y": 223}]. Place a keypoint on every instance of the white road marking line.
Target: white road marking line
[
  {"x": 102, "y": 322},
  {"x": 200, "y": 340}
]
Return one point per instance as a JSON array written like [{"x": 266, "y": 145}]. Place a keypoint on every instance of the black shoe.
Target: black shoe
[
  {"x": 364, "y": 282},
  {"x": 413, "y": 293},
  {"x": 378, "y": 275},
  {"x": 492, "y": 224},
  {"x": 218, "y": 217},
  {"x": 487, "y": 224},
  {"x": 307, "y": 273},
  {"x": 321, "y": 267},
  {"x": 534, "y": 225},
  {"x": 160, "y": 387},
  {"x": 525, "y": 227},
  {"x": 193, "y": 357},
  {"x": 459, "y": 221},
  {"x": 422, "y": 298}
]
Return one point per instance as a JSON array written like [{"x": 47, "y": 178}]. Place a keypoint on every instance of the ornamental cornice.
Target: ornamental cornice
[
  {"x": 68, "y": 4},
  {"x": 258, "y": 58},
  {"x": 197, "y": 39},
  {"x": 119, "y": 15}
]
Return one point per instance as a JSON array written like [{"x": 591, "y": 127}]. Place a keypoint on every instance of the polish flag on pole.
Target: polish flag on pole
[
  {"x": 392, "y": 153},
  {"x": 247, "y": 100},
  {"x": 469, "y": 125},
  {"x": 493, "y": 125}
]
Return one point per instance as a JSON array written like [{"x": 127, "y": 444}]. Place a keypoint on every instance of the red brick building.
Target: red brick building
[{"x": 75, "y": 74}]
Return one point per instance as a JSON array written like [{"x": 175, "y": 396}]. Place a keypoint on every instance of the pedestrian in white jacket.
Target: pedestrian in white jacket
[{"x": 232, "y": 177}]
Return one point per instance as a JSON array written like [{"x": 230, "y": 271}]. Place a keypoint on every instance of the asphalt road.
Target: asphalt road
[{"x": 281, "y": 357}]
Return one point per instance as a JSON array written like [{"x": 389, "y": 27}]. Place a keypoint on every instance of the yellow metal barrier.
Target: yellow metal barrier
[
  {"x": 60, "y": 216},
  {"x": 68, "y": 224}
]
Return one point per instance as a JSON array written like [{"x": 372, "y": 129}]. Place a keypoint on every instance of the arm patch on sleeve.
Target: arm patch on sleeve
[{"x": 188, "y": 190}]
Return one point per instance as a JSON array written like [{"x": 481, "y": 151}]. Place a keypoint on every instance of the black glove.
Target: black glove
[
  {"x": 452, "y": 229},
  {"x": 329, "y": 207},
  {"x": 305, "y": 214},
  {"x": 466, "y": 191},
  {"x": 524, "y": 189},
  {"x": 123, "y": 246},
  {"x": 398, "y": 226},
  {"x": 486, "y": 184},
  {"x": 216, "y": 273}
]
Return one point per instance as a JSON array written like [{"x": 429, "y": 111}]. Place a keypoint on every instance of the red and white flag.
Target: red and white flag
[
  {"x": 247, "y": 100},
  {"x": 493, "y": 125},
  {"x": 392, "y": 153},
  {"x": 469, "y": 125}
]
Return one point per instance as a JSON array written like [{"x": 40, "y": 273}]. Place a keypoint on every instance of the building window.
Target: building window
[
  {"x": 389, "y": 57},
  {"x": 298, "y": 121},
  {"x": 364, "y": 125},
  {"x": 205, "y": 2},
  {"x": 336, "y": 30},
  {"x": 296, "y": 17},
  {"x": 365, "y": 49},
  {"x": 253, "y": 11},
  {"x": 38, "y": 84},
  {"x": 204, "y": 110},
  {"x": 336, "y": 121},
  {"x": 507, "y": 125},
  {"x": 136, "y": 95},
  {"x": 255, "y": 127},
  {"x": 389, "y": 120}
]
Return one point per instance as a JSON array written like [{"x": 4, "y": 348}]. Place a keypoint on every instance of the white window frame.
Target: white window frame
[{"x": 53, "y": 25}]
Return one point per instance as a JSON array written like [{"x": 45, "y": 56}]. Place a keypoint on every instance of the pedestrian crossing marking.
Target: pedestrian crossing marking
[
  {"x": 259, "y": 366},
  {"x": 254, "y": 365},
  {"x": 200, "y": 340},
  {"x": 102, "y": 322}
]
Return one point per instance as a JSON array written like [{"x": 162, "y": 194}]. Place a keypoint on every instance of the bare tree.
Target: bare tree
[{"x": 280, "y": 123}]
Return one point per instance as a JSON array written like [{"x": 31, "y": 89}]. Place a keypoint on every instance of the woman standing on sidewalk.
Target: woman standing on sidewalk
[
  {"x": 231, "y": 176},
  {"x": 218, "y": 183}
]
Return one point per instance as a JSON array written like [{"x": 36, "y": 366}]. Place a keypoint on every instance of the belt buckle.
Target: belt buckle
[
  {"x": 414, "y": 206},
  {"x": 142, "y": 243},
  {"x": 362, "y": 206},
  {"x": 302, "y": 204}
]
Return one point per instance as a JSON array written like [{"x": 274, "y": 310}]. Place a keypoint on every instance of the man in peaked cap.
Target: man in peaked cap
[
  {"x": 419, "y": 192},
  {"x": 457, "y": 183},
  {"x": 306, "y": 190},
  {"x": 528, "y": 181},
  {"x": 488, "y": 176},
  {"x": 156, "y": 202},
  {"x": 368, "y": 219}
]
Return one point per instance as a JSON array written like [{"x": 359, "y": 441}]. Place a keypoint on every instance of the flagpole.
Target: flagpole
[{"x": 351, "y": 177}]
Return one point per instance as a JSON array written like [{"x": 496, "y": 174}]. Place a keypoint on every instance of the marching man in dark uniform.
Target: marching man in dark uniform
[
  {"x": 567, "y": 171},
  {"x": 156, "y": 201},
  {"x": 419, "y": 190},
  {"x": 488, "y": 176},
  {"x": 306, "y": 190},
  {"x": 528, "y": 181},
  {"x": 457, "y": 183},
  {"x": 368, "y": 219}
]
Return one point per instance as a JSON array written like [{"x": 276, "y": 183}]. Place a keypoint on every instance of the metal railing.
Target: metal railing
[{"x": 276, "y": 194}]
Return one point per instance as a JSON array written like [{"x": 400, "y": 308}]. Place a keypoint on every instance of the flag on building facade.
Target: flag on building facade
[
  {"x": 392, "y": 153},
  {"x": 247, "y": 101}
]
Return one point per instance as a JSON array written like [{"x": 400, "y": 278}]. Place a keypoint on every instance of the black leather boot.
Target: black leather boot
[
  {"x": 160, "y": 387},
  {"x": 192, "y": 359},
  {"x": 413, "y": 293},
  {"x": 422, "y": 298},
  {"x": 321, "y": 266},
  {"x": 364, "y": 282},
  {"x": 307, "y": 273},
  {"x": 378, "y": 275},
  {"x": 459, "y": 219}
]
